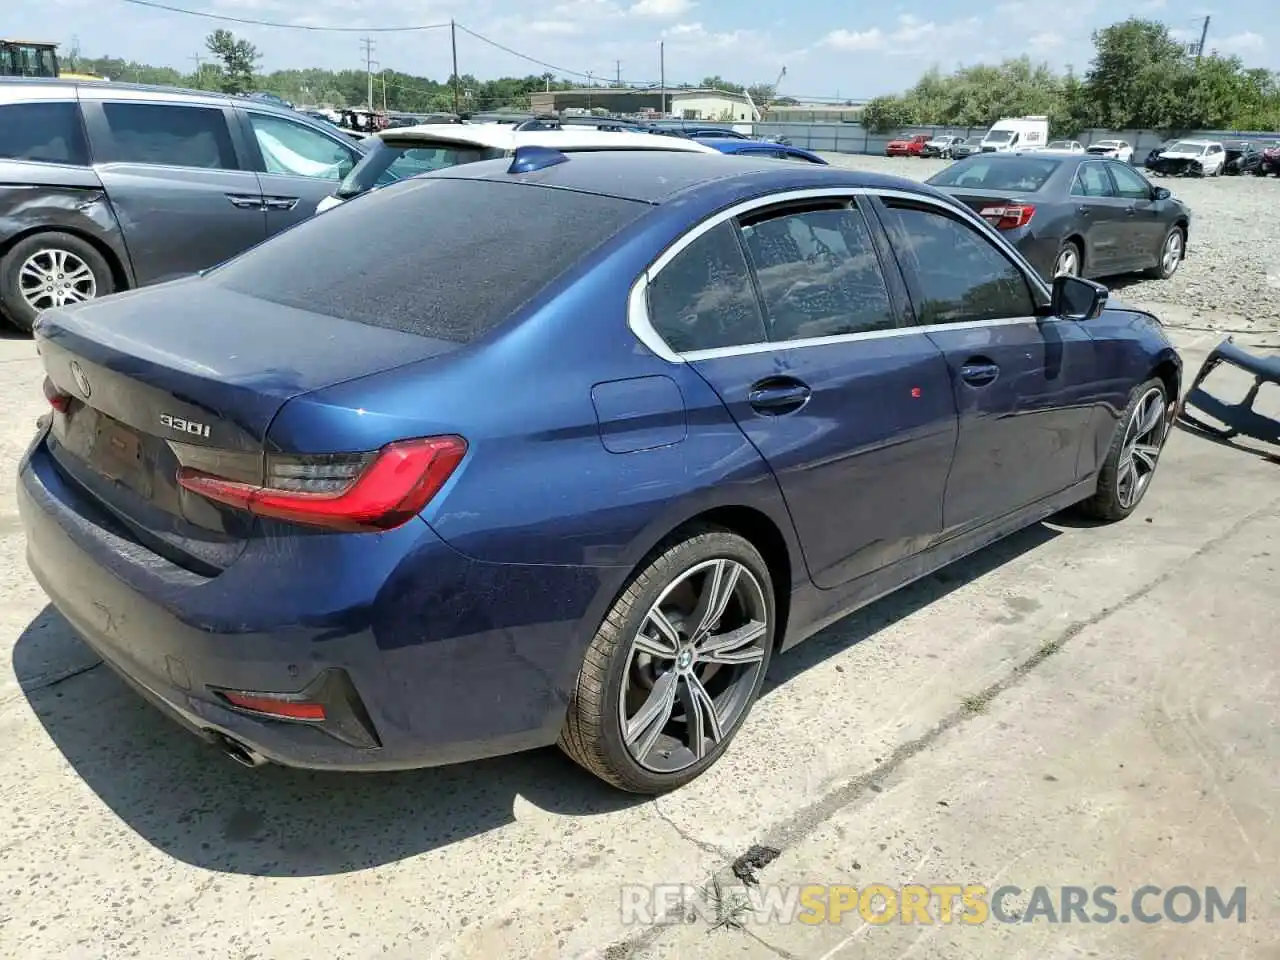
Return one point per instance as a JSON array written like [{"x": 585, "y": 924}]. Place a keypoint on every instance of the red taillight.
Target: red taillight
[
  {"x": 352, "y": 492},
  {"x": 282, "y": 708},
  {"x": 1010, "y": 216},
  {"x": 57, "y": 399}
]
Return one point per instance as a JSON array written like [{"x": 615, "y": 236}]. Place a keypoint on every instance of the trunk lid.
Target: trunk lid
[
  {"x": 191, "y": 374},
  {"x": 976, "y": 200}
]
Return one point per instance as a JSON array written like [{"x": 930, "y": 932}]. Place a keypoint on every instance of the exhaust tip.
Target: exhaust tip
[{"x": 237, "y": 751}]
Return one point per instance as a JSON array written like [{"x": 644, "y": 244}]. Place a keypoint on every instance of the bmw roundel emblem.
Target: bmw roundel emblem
[{"x": 82, "y": 382}]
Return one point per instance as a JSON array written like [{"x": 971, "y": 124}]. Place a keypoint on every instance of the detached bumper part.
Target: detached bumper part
[{"x": 1240, "y": 418}]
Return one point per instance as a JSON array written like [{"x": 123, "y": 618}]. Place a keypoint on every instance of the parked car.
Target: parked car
[
  {"x": 1115, "y": 149},
  {"x": 1195, "y": 158},
  {"x": 1241, "y": 157},
  {"x": 940, "y": 147},
  {"x": 112, "y": 186},
  {"x": 759, "y": 148},
  {"x": 1074, "y": 214},
  {"x": 907, "y": 146},
  {"x": 965, "y": 148},
  {"x": 1154, "y": 155},
  {"x": 1065, "y": 146},
  {"x": 1270, "y": 159},
  {"x": 398, "y": 154},
  {"x": 701, "y": 360}
]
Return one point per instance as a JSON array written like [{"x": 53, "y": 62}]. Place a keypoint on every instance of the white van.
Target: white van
[{"x": 1016, "y": 133}]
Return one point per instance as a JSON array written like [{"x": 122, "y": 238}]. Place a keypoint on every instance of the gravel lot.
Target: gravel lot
[{"x": 1231, "y": 277}]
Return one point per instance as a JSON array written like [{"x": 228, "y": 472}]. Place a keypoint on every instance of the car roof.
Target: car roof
[
  {"x": 502, "y": 137},
  {"x": 658, "y": 178},
  {"x": 112, "y": 89}
]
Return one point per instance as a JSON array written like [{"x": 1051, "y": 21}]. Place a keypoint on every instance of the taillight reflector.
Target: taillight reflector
[
  {"x": 1010, "y": 216},
  {"x": 57, "y": 399},
  {"x": 270, "y": 706},
  {"x": 354, "y": 493}
]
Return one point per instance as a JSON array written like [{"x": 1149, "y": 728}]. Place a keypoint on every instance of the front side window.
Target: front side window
[
  {"x": 169, "y": 134},
  {"x": 818, "y": 274},
  {"x": 1129, "y": 183},
  {"x": 703, "y": 298},
  {"x": 959, "y": 274},
  {"x": 293, "y": 150},
  {"x": 48, "y": 132}
]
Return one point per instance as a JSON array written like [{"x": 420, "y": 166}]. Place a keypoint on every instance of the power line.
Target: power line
[
  {"x": 586, "y": 75},
  {"x": 284, "y": 26}
]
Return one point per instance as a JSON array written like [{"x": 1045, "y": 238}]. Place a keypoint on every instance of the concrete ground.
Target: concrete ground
[{"x": 1075, "y": 706}]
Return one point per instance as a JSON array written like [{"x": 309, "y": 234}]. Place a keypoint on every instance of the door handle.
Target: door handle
[
  {"x": 1131, "y": 210},
  {"x": 775, "y": 396},
  {"x": 244, "y": 201},
  {"x": 281, "y": 203},
  {"x": 978, "y": 372},
  {"x": 1083, "y": 210}
]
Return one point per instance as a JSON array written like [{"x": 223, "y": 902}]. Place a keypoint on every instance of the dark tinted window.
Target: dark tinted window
[
  {"x": 704, "y": 299},
  {"x": 1092, "y": 181},
  {"x": 959, "y": 274},
  {"x": 440, "y": 258},
  {"x": 818, "y": 274},
  {"x": 49, "y": 132},
  {"x": 982, "y": 172},
  {"x": 171, "y": 135},
  {"x": 1129, "y": 183}
]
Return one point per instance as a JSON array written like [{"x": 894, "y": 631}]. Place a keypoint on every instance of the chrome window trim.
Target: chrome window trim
[{"x": 637, "y": 300}]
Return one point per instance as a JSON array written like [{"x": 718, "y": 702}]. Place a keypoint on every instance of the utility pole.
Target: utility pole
[
  {"x": 590, "y": 86},
  {"x": 453, "y": 41},
  {"x": 1204, "y": 35},
  {"x": 199, "y": 61},
  {"x": 662, "y": 76},
  {"x": 369, "y": 64},
  {"x": 384, "y": 91},
  {"x": 618, "y": 77}
]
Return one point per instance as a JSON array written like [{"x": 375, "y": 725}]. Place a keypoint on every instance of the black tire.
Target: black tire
[
  {"x": 1109, "y": 503},
  {"x": 593, "y": 729},
  {"x": 1161, "y": 271},
  {"x": 1069, "y": 247},
  {"x": 21, "y": 313}
]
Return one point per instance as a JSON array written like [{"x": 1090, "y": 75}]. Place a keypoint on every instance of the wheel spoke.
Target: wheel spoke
[
  {"x": 717, "y": 590},
  {"x": 59, "y": 261},
  {"x": 1145, "y": 454},
  {"x": 32, "y": 270},
  {"x": 80, "y": 275},
  {"x": 702, "y": 717},
  {"x": 72, "y": 295},
  {"x": 647, "y": 725},
  {"x": 1151, "y": 416},
  {"x": 735, "y": 646},
  {"x": 665, "y": 639}
]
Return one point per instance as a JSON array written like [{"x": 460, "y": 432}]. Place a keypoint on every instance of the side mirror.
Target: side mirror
[
  {"x": 1163, "y": 193},
  {"x": 1075, "y": 298}
]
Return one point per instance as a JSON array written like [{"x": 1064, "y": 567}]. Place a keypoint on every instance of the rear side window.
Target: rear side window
[
  {"x": 448, "y": 259},
  {"x": 958, "y": 274},
  {"x": 46, "y": 132},
  {"x": 703, "y": 299},
  {"x": 818, "y": 274},
  {"x": 168, "y": 135}
]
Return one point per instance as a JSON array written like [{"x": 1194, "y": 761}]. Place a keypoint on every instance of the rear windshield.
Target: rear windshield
[
  {"x": 984, "y": 172},
  {"x": 388, "y": 162},
  {"x": 448, "y": 259}
]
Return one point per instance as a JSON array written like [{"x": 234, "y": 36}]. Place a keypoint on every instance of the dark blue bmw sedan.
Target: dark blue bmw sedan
[{"x": 561, "y": 450}]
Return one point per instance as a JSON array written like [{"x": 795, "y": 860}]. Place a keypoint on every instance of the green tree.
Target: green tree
[
  {"x": 238, "y": 60},
  {"x": 1136, "y": 76},
  {"x": 720, "y": 83}
]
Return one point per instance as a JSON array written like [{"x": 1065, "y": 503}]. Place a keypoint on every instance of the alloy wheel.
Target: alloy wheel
[
  {"x": 1143, "y": 440},
  {"x": 55, "y": 278},
  {"x": 693, "y": 666},
  {"x": 1068, "y": 262},
  {"x": 1172, "y": 256}
]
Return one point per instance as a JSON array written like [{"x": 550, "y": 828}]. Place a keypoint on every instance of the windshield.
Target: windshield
[
  {"x": 388, "y": 162},
  {"x": 999, "y": 136},
  {"x": 1187, "y": 146},
  {"x": 984, "y": 172}
]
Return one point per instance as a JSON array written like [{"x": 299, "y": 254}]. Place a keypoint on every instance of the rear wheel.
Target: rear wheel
[
  {"x": 674, "y": 669},
  {"x": 50, "y": 270},
  {"x": 1170, "y": 255},
  {"x": 1069, "y": 261},
  {"x": 1130, "y": 464}
]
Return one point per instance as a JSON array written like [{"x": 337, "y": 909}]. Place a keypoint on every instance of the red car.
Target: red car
[
  {"x": 907, "y": 147},
  {"x": 1270, "y": 159}
]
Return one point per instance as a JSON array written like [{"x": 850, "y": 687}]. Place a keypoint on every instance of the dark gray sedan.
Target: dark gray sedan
[{"x": 1072, "y": 213}]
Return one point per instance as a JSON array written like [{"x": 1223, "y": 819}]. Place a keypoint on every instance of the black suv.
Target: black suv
[{"x": 107, "y": 186}]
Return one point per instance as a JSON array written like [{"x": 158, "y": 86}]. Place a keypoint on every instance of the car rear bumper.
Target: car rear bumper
[{"x": 441, "y": 659}]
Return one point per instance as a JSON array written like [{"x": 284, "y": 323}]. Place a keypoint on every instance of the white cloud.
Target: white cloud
[
  {"x": 685, "y": 30},
  {"x": 873, "y": 39},
  {"x": 1041, "y": 42},
  {"x": 911, "y": 36},
  {"x": 1151, "y": 6},
  {"x": 1246, "y": 42},
  {"x": 554, "y": 28},
  {"x": 661, "y": 9}
]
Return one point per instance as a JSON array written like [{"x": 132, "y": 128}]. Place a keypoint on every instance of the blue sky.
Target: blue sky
[{"x": 828, "y": 48}]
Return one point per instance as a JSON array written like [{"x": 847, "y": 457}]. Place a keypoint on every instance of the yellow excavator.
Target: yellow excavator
[{"x": 34, "y": 58}]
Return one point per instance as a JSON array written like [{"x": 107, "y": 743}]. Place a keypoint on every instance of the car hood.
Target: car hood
[{"x": 1181, "y": 155}]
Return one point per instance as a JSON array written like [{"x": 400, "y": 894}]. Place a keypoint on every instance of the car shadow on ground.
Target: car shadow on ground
[{"x": 188, "y": 800}]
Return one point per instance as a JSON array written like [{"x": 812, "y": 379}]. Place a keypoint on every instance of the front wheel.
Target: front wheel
[
  {"x": 1135, "y": 450},
  {"x": 676, "y": 665}
]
